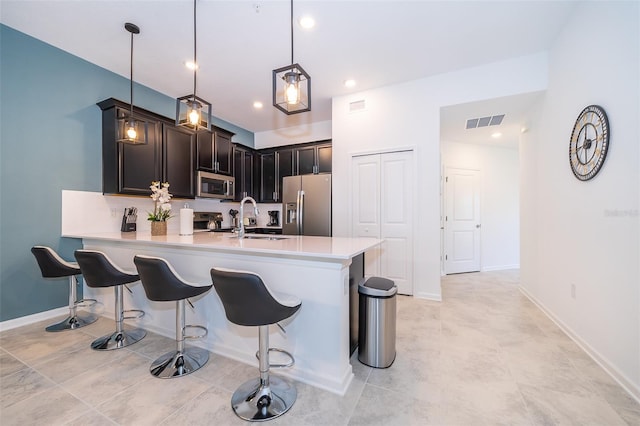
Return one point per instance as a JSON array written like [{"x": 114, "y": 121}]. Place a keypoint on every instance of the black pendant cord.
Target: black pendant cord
[
  {"x": 131, "y": 77},
  {"x": 195, "y": 60},
  {"x": 291, "y": 21}
]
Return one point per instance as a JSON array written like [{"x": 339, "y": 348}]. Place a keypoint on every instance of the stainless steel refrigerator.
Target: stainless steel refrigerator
[{"x": 306, "y": 205}]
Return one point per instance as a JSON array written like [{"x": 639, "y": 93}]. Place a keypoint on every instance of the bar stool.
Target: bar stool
[
  {"x": 99, "y": 271},
  {"x": 247, "y": 301},
  {"x": 163, "y": 284},
  {"x": 53, "y": 266}
]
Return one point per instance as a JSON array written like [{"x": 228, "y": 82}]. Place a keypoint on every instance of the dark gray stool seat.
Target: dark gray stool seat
[
  {"x": 163, "y": 284},
  {"x": 248, "y": 301},
  {"x": 53, "y": 266},
  {"x": 99, "y": 271}
]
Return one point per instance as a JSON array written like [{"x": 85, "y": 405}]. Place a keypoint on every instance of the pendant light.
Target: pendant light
[
  {"x": 130, "y": 129},
  {"x": 291, "y": 85},
  {"x": 192, "y": 111}
]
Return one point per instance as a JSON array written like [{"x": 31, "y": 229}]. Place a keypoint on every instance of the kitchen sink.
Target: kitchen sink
[
  {"x": 261, "y": 237},
  {"x": 264, "y": 237}
]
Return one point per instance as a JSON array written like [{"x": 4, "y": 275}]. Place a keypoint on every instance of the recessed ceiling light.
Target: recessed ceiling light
[
  {"x": 349, "y": 83},
  {"x": 257, "y": 105},
  {"x": 496, "y": 135},
  {"x": 191, "y": 65},
  {"x": 307, "y": 22}
]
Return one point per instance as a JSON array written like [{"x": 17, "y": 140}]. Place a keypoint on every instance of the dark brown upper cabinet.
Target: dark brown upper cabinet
[
  {"x": 275, "y": 165},
  {"x": 178, "y": 159},
  {"x": 313, "y": 159},
  {"x": 268, "y": 177},
  {"x": 324, "y": 158},
  {"x": 174, "y": 155},
  {"x": 215, "y": 151},
  {"x": 245, "y": 167},
  {"x": 129, "y": 169},
  {"x": 169, "y": 156}
]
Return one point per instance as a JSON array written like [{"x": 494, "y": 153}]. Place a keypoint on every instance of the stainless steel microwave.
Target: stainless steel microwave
[{"x": 211, "y": 185}]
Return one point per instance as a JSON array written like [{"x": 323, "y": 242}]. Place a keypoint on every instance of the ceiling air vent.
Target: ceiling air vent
[
  {"x": 494, "y": 120},
  {"x": 357, "y": 106}
]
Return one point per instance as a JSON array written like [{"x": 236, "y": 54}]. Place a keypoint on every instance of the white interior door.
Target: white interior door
[
  {"x": 365, "y": 206},
  {"x": 382, "y": 207},
  {"x": 462, "y": 221},
  {"x": 396, "y": 173}
]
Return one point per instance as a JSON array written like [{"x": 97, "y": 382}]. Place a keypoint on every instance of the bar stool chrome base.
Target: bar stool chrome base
[
  {"x": 176, "y": 364},
  {"x": 256, "y": 401},
  {"x": 73, "y": 322},
  {"x": 118, "y": 339}
]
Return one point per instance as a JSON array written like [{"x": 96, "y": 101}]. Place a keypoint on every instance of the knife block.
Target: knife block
[{"x": 127, "y": 227}]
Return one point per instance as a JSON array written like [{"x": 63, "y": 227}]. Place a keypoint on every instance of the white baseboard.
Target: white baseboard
[
  {"x": 500, "y": 267},
  {"x": 428, "y": 296},
  {"x": 33, "y": 318},
  {"x": 628, "y": 385}
]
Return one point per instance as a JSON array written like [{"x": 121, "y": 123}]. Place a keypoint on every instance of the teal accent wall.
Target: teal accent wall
[{"x": 50, "y": 140}]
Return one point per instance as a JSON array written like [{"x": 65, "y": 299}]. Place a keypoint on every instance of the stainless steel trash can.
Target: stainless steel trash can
[{"x": 377, "y": 317}]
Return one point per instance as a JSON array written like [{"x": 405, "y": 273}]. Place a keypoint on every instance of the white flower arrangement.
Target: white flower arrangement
[{"x": 161, "y": 199}]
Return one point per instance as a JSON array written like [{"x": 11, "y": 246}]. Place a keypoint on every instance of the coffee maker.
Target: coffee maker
[{"x": 274, "y": 218}]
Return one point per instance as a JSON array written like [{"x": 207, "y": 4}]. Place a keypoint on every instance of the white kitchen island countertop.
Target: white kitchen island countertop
[{"x": 291, "y": 246}]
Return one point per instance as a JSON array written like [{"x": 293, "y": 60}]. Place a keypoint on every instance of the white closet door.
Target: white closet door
[
  {"x": 396, "y": 219},
  {"x": 382, "y": 189},
  {"x": 365, "y": 206}
]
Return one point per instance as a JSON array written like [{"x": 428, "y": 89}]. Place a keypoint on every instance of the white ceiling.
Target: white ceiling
[
  {"x": 240, "y": 42},
  {"x": 517, "y": 110}
]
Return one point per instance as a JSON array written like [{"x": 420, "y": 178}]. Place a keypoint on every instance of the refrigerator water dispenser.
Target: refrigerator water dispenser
[{"x": 291, "y": 212}]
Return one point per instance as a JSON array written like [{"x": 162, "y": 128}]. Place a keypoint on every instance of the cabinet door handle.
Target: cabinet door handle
[{"x": 275, "y": 196}]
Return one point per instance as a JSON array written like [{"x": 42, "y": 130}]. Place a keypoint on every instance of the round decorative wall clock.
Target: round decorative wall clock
[{"x": 589, "y": 142}]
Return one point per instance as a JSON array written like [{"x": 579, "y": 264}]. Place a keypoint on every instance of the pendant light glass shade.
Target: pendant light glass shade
[
  {"x": 131, "y": 130},
  {"x": 291, "y": 85},
  {"x": 192, "y": 111},
  {"x": 292, "y": 89}
]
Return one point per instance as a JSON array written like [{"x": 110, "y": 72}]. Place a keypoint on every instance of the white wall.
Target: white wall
[
  {"x": 310, "y": 132},
  {"x": 587, "y": 233},
  {"x": 499, "y": 199},
  {"x": 408, "y": 115}
]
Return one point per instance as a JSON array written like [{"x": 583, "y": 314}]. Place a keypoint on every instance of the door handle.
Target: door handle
[{"x": 478, "y": 226}]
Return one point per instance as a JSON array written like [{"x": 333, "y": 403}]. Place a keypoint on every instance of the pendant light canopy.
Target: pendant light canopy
[
  {"x": 192, "y": 111},
  {"x": 291, "y": 85},
  {"x": 130, "y": 129}
]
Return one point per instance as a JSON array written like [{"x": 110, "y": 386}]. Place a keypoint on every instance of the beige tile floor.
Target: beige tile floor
[{"x": 484, "y": 356}]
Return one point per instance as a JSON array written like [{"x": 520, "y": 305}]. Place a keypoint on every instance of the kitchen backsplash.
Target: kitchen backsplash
[{"x": 84, "y": 211}]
